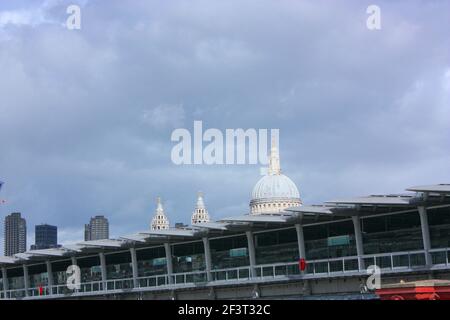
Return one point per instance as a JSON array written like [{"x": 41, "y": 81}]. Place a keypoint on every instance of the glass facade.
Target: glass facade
[
  {"x": 15, "y": 278},
  {"x": 329, "y": 240},
  {"x": 151, "y": 261},
  {"x": 59, "y": 271},
  {"x": 188, "y": 257},
  {"x": 276, "y": 246},
  {"x": 118, "y": 265},
  {"x": 392, "y": 233},
  {"x": 439, "y": 223},
  {"x": 37, "y": 275},
  {"x": 229, "y": 252},
  {"x": 90, "y": 268}
]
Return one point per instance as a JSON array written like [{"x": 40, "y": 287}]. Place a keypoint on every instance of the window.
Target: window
[
  {"x": 392, "y": 233},
  {"x": 276, "y": 246},
  {"x": 222, "y": 252}
]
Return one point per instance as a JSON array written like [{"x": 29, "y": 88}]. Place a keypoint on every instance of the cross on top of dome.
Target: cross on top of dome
[{"x": 274, "y": 161}]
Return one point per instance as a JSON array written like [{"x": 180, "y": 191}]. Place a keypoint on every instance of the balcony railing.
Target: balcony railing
[{"x": 344, "y": 266}]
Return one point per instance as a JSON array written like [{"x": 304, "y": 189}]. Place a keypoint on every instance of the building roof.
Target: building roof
[
  {"x": 273, "y": 218},
  {"x": 436, "y": 188},
  {"x": 8, "y": 260},
  {"x": 103, "y": 243},
  {"x": 375, "y": 200}
]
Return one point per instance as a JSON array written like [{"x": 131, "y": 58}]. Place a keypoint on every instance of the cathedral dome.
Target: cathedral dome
[
  {"x": 275, "y": 186},
  {"x": 274, "y": 192}
]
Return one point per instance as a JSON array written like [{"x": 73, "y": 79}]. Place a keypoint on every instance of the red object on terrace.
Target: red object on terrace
[
  {"x": 416, "y": 290},
  {"x": 302, "y": 264}
]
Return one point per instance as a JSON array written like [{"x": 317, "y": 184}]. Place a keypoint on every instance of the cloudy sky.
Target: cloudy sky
[{"x": 86, "y": 115}]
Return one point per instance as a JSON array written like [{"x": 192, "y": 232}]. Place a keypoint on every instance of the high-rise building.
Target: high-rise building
[
  {"x": 15, "y": 234},
  {"x": 46, "y": 236},
  {"x": 97, "y": 229}
]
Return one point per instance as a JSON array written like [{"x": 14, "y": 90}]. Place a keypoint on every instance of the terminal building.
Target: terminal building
[{"x": 282, "y": 249}]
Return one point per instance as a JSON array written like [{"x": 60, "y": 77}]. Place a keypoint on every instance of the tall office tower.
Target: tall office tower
[
  {"x": 98, "y": 228},
  {"x": 46, "y": 236},
  {"x": 15, "y": 234}
]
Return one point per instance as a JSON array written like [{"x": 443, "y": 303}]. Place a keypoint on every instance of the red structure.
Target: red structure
[
  {"x": 302, "y": 264},
  {"x": 416, "y": 290}
]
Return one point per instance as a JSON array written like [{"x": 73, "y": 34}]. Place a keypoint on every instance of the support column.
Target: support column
[
  {"x": 169, "y": 262},
  {"x": 301, "y": 242},
  {"x": 5, "y": 281},
  {"x": 103, "y": 268},
  {"x": 251, "y": 253},
  {"x": 134, "y": 267},
  {"x": 359, "y": 242},
  {"x": 49, "y": 276},
  {"x": 425, "y": 234},
  {"x": 208, "y": 263},
  {"x": 26, "y": 279}
]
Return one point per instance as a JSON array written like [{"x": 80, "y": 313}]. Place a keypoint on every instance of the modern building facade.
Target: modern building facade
[
  {"x": 407, "y": 236},
  {"x": 97, "y": 229},
  {"x": 15, "y": 234},
  {"x": 46, "y": 236}
]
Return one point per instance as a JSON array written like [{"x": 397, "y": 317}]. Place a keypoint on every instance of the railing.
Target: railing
[{"x": 391, "y": 262}]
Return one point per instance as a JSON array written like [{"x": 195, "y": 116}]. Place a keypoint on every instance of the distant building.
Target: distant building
[
  {"x": 160, "y": 220},
  {"x": 15, "y": 234},
  {"x": 46, "y": 236},
  {"x": 98, "y": 228},
  {"x": 179, "y": 225},
  {"x": 274, "y": 192},
  {"x": 200, "y": 214}
]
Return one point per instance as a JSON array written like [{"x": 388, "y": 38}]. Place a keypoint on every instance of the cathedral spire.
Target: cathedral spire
[
  {"x": 160, "y": 220},
  {"x": 200, "y": 202},
  {"x": 200, "y": 214},
  {"x": 274, "y": 161}
]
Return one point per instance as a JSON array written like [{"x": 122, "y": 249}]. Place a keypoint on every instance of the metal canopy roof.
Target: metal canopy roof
[
  {"x": 170, "y": 233},
  {"x": 57, "y": 252},
  {"x": 136, "y": 237},
  {"x": 436, "y": 188},
  {"x": 212, "y": 225},
  {"x": 375, "y": 200},
  {"x": 258, "y": 218},
  {"x": 104, "y": 243},
  {"x": 23, "y": 256},
  {"x": 325, "y": 210},
  {"x": 8, "y": 260}
]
